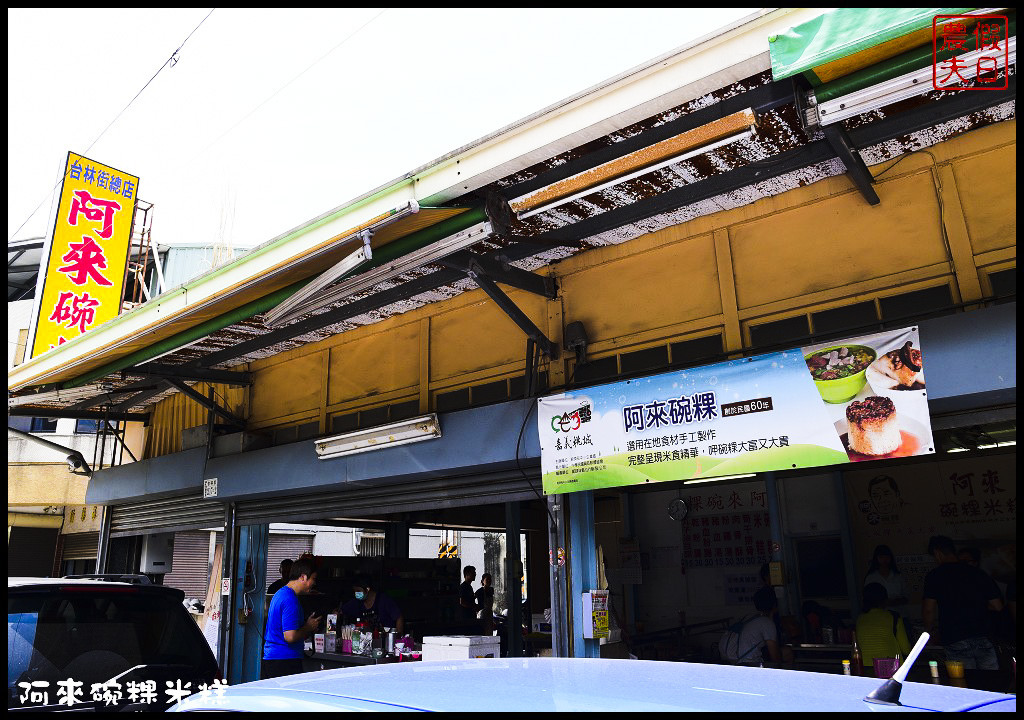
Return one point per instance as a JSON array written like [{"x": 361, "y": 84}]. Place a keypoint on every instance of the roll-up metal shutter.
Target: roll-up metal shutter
[
  {"x": 190, "y": 567},
  {"x": 283, "y": 546},
  {"x": 80, "y": 546},
  {"x": 509, "y": 486},
  {"x": 190, "y": 512}
]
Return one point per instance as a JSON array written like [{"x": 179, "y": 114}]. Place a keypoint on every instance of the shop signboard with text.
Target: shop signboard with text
[
  {"x": 83, "y": 278},
  {"x": 827, "y": 404}
]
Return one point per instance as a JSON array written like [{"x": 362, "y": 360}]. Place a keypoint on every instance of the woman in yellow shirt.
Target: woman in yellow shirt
[{"x": 880, "y": 632}]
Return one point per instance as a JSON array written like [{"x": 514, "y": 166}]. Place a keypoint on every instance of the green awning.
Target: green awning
[{"x": 846, "y": 39}]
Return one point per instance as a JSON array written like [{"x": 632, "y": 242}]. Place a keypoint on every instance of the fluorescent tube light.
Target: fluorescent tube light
[
  {"x": 637, "y": 173},
  {"x": 417, "y": 429},
  {"x": 719, "y": 479},
  {"x": 1009, "y": 443},
  {"x": 899, "y": 88},
  {"x": 69, "y": 395},
  {"x": 405, "y": 263}
]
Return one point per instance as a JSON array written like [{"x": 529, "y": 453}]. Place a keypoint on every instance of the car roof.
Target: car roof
[
  {"x": 26, "y": 581},
  {"x": 29, "y": 583},
  {"x": 575, "y": 684}
]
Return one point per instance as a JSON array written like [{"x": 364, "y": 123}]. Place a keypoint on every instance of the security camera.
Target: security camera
[
  {"x": 74, "y": 462},
  {"x": 575, "y": 340}
]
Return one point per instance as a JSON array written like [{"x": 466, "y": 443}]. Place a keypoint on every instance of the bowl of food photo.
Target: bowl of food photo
[{"x": 839, "y": 371}]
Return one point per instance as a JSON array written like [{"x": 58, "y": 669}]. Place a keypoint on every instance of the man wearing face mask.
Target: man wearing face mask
[{"x": 373, "y": 607}]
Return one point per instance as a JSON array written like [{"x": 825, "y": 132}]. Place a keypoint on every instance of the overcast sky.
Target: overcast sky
[{"x": 272, "y": 117}]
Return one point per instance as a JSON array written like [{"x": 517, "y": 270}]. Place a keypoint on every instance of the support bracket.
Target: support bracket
[
  {"x": 119, "y": 436},
  {"x": 501, "y": 270},
  {"x": 161, "y": 386},
  {"x": 190, "y": 372},
  {"x": 191, "y": 392},
  {"x": 858, "y": 171},
  {"x": 518, "y": 316}
]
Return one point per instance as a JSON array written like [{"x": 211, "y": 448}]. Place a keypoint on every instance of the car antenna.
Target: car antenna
[{"x": 889, "y": 692}]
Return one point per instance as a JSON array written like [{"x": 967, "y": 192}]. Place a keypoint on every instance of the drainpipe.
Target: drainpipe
[{"x": 385, "y": 254}]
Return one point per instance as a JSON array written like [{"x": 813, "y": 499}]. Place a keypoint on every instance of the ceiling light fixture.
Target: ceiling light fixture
[
  {"x": 990, "y": 446},
  {"x": 417, "y": 429},
  {"x": 57, "y": 396},
  {"x": 696, "y": 141},
  {"x": 900, "y": 88},
  {"x": 405, "y": 263}
]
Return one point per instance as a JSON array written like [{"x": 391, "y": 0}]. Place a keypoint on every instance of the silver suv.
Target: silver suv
[{"x": 93, "y": 643}]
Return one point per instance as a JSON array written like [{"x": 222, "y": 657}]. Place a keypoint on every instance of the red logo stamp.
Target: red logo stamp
[{"x": 970, "y": 47}]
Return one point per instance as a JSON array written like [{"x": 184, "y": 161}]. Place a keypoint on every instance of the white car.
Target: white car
[{"x": 577, "y": 685}]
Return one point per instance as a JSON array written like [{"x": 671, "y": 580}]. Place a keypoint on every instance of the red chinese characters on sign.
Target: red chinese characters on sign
[
  {"x": 970, "y": 47},
  {"x": 103, "y": 211},
  {"x": 738, "y": 536},
  {"x": 75, "y": 310},
  {"x": 86, "y": 265},
  {"x": 85, "y": 260}
]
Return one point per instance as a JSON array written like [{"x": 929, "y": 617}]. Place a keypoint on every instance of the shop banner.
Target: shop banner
[
  {"x": 83, "y": 279},
  {"x": 839, "y": 402}
]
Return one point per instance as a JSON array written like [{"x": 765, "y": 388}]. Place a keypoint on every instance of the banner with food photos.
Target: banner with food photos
[{"x": 838, "y": 402}]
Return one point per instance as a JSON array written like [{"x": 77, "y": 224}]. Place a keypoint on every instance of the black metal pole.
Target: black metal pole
[
  {"x": 513, "y": 584},
  {"x": 227, "y": 600}
]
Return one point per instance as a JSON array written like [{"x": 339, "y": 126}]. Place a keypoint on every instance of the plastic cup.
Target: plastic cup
[
  {"x": 885, "y": 668},
  {"x": 955, "y": 669}
]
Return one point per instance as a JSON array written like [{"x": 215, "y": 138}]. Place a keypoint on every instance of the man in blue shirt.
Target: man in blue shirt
[{"x": 282, "y": 649}]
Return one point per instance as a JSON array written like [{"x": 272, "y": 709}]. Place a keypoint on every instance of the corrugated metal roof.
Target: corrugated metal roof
[{"x": 779, "y": 157}]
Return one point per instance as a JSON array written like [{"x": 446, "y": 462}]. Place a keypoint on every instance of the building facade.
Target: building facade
[{"x": 788, "y": 235}]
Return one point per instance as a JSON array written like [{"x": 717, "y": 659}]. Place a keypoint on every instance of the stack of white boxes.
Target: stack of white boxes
[{"x": 461, "y": 647}]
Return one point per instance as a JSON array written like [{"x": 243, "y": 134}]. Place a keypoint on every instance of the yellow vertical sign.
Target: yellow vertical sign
[{"x": 84, "y": 276}]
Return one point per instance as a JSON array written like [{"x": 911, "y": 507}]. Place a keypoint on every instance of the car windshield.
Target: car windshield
[{"x": 92, "y": 635}]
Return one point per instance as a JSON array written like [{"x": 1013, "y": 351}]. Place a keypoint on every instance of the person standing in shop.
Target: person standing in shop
[
  {"x": 282, "y": 649},
  {"x": 881, "y": 633},
  {"x": 956, "y": 600},
  {"x": 883, "y": 571},
  {"x": 286, "y": 571},
  {"x": 467, "y": 598},
  {"x": 372, "y": 607},
  {"x": 758, "y": 640},
  {"x": 485, "y": 600}
]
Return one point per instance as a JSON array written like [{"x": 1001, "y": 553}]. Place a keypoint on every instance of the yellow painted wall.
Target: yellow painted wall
[
  {"x": 44, "y": 484},
  {"x": 287, "y": 388},
  {"x": 947, "y": 216},
  {"x": 376, "y": 363},
  {"x": 981, "y": 181},
  {"x": 176, "y": 412},
  {"x": 673, "y": 281},
  {"x": 479, "y": 335}
]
